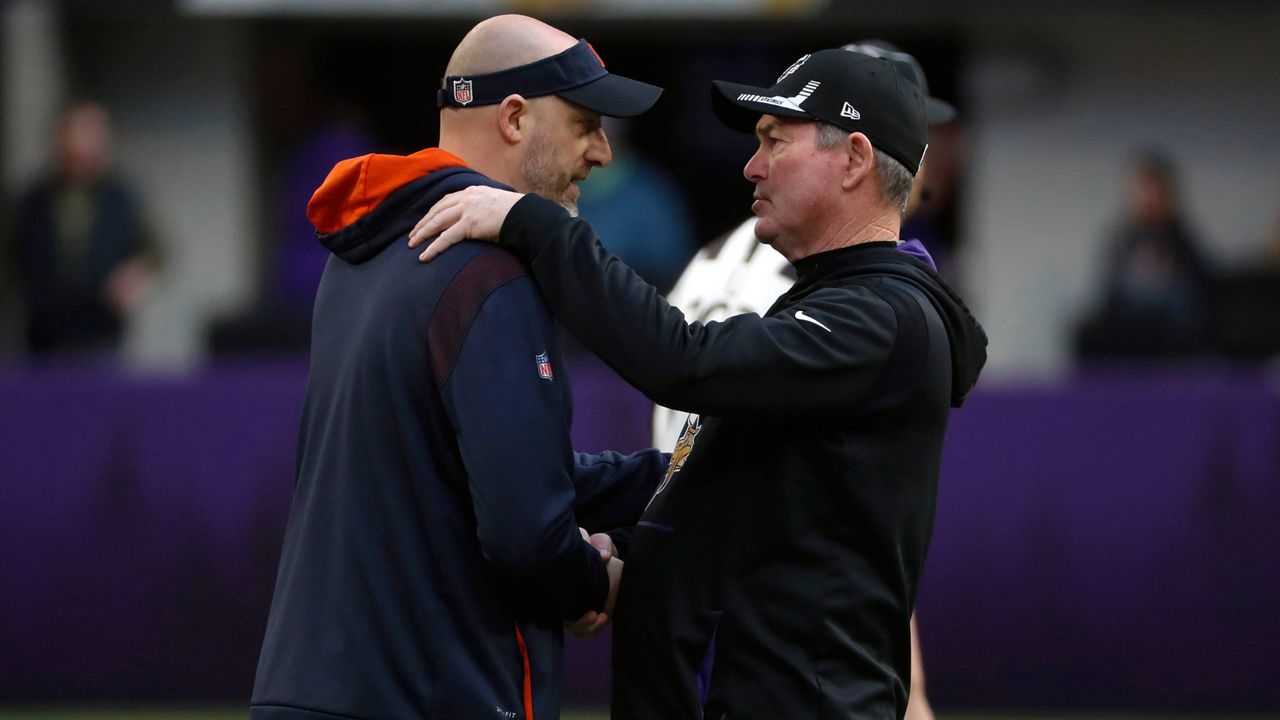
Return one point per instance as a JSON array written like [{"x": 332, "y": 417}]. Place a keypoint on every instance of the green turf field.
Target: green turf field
[{"x": 205, "y": 713}]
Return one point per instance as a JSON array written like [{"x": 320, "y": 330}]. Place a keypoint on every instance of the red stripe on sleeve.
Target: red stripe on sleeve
[{"x": 528, "y": 676}]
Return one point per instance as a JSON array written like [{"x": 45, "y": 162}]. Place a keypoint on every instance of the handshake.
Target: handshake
[{"x": 592, "y": 622}]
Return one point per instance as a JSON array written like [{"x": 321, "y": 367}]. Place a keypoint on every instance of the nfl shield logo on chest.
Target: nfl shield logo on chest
[
  {"x": 462, "y": 91},
  {"x": 544, "y": 366}
]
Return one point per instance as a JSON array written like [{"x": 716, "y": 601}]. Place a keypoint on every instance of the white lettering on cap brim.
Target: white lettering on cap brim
[
  {"x": 774, "y": 100},
  {"x": 791, "y": 103}
]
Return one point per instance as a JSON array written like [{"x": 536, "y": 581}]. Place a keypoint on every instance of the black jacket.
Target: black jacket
[
  {"x": 783, "y": 551},
  {"x": 432, "y": 550}
]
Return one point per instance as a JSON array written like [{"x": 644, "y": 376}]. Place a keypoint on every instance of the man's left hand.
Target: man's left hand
[
  {"x": 603, "y": 544},
  {"x": 476, "y": 213}
]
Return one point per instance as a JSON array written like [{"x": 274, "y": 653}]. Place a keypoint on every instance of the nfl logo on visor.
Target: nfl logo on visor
[
  {"x": 544, "y": 366},
  {"x": 462, "y": 91}
]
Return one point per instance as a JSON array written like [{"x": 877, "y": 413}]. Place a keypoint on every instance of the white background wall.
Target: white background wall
[
  {"x": 1056, "y": 111},
  {"x": 32, "y": 75}
]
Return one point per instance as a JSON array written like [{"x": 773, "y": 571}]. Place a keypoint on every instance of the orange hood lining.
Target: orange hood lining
[{"x": 355, "y": 187}]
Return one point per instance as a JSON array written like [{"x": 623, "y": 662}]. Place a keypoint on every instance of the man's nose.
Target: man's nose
[
  {"x": 599, "y": 153},
  {"x": 756, "y": 168}
]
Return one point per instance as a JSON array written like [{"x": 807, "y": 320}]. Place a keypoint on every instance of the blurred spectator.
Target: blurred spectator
[
  {"x": 1156, "y": 302},
  {"x": 639, "y": 213},
  {"x": 80, "y": 244},
  {"x": 933, "y": 209}
]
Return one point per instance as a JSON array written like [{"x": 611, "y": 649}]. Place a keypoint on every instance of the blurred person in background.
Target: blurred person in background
[
  {"x": 81, "y": 247},
  {"x": 1157, "y": 292},
  {"x": 640, "y": 212},
  {"x": 933, "y": 216},
  {"x": 433, "y": 548}
]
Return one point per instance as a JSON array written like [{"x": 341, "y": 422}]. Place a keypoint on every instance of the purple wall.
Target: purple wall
[{"x": 1110, "y": 544}]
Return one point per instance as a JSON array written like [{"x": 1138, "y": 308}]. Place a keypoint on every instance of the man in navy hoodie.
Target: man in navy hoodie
[{"x": 433, "y": 549}]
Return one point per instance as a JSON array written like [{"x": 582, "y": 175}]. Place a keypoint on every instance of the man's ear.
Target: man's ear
[
  {"x": 860, "y": 160},
  {"x": 513, "y": 118}
]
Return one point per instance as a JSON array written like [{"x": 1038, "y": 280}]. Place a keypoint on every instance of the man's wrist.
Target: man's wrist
[{"x": 525, "y": 228}]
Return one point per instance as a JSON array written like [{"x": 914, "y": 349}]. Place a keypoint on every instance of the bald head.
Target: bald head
[
  {"x": 542, "y": 144},
  {"x": 483, "y": 134},
  {"x": 504, "y": 42}
]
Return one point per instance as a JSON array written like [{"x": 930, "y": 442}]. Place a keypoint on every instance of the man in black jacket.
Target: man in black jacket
[
  {"x": 433, "y": 548},
  {"x": 734, "y": 274},
  {"x": 782, "y": 553}
]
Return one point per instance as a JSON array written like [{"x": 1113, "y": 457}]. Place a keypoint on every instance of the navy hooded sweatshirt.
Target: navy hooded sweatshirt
[{"x": 432, "y": 551}]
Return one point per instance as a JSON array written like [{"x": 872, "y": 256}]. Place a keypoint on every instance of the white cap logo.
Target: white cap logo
[{"x": 794, "y": 67}]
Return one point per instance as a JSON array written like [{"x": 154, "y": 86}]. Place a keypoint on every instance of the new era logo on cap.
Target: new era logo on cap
[{"x": 849, "y": 112}]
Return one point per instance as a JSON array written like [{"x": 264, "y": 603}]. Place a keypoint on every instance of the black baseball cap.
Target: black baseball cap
[
  {"x": 853, "y": 91},
  {"x": 937, "y": 110},
  {"x": 577, "y": 75}
]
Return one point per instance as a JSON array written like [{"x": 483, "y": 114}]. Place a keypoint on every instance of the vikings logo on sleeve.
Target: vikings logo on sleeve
[{"x": 683, "y": 448}]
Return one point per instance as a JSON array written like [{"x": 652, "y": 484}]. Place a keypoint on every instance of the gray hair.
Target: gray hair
[{"x": 895, "y": 179}]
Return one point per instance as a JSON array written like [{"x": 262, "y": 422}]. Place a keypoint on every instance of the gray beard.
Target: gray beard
[{"x": 541, "y": 177}]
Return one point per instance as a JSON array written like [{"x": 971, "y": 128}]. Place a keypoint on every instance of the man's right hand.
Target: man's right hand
[
  {"x": 475, "y": 213},
  {"x": 592, "y": 622}
]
